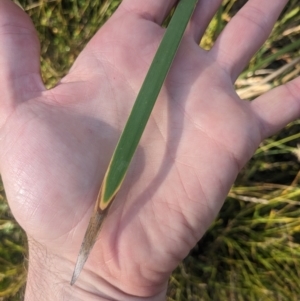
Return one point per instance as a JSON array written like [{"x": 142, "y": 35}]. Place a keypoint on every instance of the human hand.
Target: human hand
[{"x": 56, "y": 144}]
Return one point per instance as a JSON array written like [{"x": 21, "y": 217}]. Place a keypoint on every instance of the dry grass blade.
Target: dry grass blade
[{"x": 265, "y": 85}]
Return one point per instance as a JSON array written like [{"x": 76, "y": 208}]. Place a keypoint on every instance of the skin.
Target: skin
[{"x": 56, "y": 144}]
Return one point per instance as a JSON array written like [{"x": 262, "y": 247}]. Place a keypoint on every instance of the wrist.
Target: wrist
[{"x": 49, "y": 279}]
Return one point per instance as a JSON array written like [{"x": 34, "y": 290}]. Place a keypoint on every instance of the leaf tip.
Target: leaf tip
[{"x": 89, "y": 240}]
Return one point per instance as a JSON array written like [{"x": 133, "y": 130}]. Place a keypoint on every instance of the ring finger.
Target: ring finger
[{"x": 245, "y": 34}]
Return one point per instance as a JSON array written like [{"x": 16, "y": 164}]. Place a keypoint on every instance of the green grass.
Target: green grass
[
  {"x": 12, "y": 252},
  {"x": 252, "y": 251}
]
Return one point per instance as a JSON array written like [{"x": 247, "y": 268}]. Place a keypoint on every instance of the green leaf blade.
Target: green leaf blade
[{"x": 145, "y": 101}]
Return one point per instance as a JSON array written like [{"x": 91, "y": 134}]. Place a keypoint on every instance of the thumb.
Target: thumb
[{"x": 19, "y": 59}]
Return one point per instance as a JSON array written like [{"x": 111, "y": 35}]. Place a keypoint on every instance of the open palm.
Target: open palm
[{"x": 56, "y": 144}]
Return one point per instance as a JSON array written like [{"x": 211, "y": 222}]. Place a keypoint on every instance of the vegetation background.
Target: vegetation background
[{"x": 252, "y": 251}]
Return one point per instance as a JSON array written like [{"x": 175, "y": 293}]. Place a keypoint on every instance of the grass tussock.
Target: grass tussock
[{"x": 252, "y": 251}]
